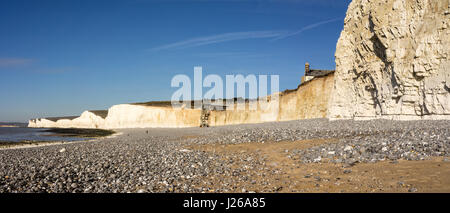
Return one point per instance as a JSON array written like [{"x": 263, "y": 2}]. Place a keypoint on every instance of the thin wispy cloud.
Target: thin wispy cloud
[
  {"x": 53, "y": 70},
  {"x": 29, "y": 65},
  {"x": 12, "y": 62},
  {"x": 230, "y": 55},
  {"x": 303, "y": 29},
  {"x": 201, "y": 41},
  {"x": 234, "y": 36}
]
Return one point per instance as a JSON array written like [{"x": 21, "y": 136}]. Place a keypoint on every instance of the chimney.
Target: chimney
[{"x": 306, "y": 68}]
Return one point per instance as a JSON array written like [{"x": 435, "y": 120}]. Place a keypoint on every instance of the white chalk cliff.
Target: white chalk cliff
[
  {"x": 86, "y": 120},
  {"x": 310, "y": 100},
  {"x": 392, "y": 61},
  {"x": 126, "y": 116}
]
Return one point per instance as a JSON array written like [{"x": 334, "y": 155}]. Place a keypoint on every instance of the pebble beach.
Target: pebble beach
[{"x": 312, "y": 155}]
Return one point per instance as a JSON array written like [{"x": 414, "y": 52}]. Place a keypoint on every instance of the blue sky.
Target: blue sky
[{"x": 60, "y": 58}]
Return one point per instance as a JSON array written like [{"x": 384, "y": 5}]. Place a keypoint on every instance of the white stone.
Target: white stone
[
  {"x": 318, "y": 159},
  {"x": 348, "y": 148}
]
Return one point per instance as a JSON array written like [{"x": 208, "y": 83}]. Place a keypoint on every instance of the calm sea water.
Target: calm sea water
[{"x": 18, "y": 134}]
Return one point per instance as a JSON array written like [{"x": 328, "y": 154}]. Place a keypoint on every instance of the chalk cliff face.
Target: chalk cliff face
[
  {"x": 127, "y": 116},
  {"x": 310, "y": 100},
  {"x": 392, "y": 61},
  {"x": 135, "y": 116},
  {"x": 86, "y": 120}
]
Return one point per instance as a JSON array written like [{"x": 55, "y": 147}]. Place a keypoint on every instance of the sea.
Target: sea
[{"x": 21, "y": 133}]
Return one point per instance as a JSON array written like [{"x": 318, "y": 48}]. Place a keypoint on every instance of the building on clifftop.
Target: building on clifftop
[{"x": 312, "y": 73}]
